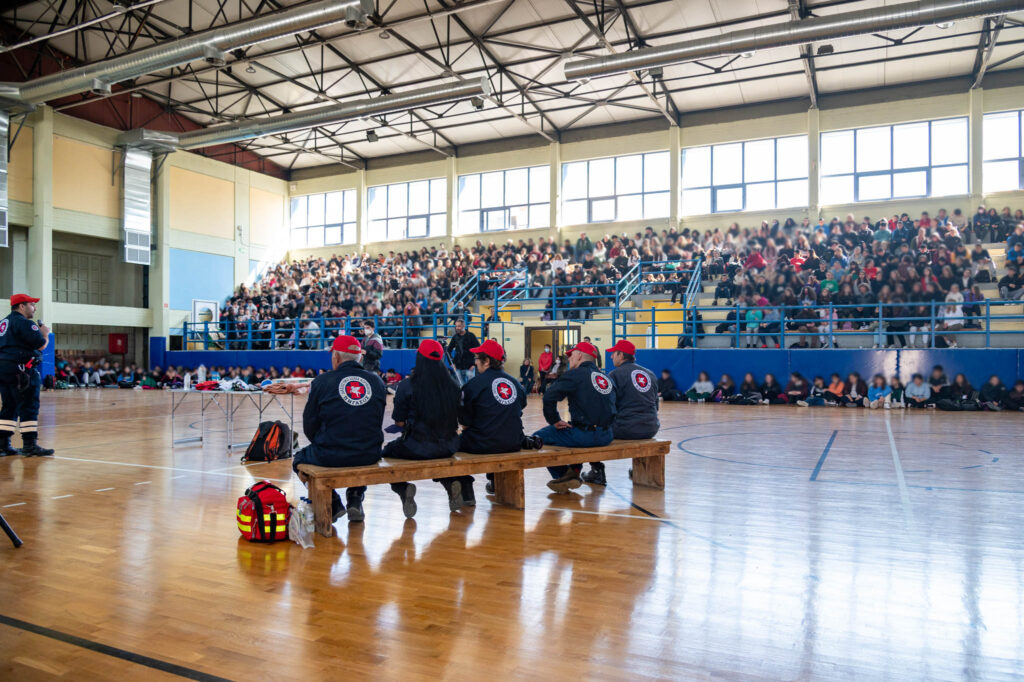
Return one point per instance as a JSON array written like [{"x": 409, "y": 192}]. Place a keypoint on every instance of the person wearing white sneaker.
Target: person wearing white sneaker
[{"x": 878, "y": 393}]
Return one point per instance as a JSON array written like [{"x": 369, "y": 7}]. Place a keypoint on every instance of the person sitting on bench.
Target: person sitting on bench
[
  {"x": 426, "y": 408},
  {"x": 591, "y": 412},
  {"x": 636, "y": 403},
  {"x": 342, "y": 420}
]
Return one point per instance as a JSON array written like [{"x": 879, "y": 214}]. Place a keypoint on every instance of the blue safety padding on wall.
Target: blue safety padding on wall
[
  {"x": 811, "y": 363},
  {"x": 157, "y": 350},
  {"x": 203, "y": 276},
  {"x": 978, "y": 364},
  {"x": 49, "y": 366},
  {"x": 401, "y": 360}
]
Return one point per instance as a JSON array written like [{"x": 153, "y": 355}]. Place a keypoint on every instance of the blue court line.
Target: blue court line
[
  {"x": 753, "y": 464},
  {"x": 824, "y": 454},
  {"x": 669, "y": 522}
]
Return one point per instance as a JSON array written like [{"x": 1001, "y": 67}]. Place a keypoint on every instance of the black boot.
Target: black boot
[
  {"x": 354, "y": 497},
  {"x": 453, "y": 486},
  {"x": 31, "y": 448},
  {"x": 337, "y": 508},
  {"x": 6, "y": 450},
  {"x": 567, "y": 481},
  {"x": 406, "y": 491},
  {"x": 468, "y": 497},
  {"x": 596, "y": 474}
]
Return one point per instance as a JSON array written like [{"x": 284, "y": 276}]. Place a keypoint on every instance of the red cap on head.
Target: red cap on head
[
  {"x": 623, "y": 346},
  {"x": 491, "y": 349},
  {"x": 586, "y": 348},
  {"x": 18, "y": 299},
  {"x": 347, "y": 344},
  {"x": 431, "y": 349}
]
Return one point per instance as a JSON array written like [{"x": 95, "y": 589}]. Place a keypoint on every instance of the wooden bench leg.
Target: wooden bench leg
[
  {"x": 320, "y": 498},
  {"x": 509, "y": 488},
  {"x": 649, "y": 471}
]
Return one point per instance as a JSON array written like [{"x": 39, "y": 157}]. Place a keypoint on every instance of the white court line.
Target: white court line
[
  {"x": 143, "y": 483},
  {"x": 174, "y": 478},
  {"x": 102, "y": 490},
  {"x": 154, "y": 466},
  {"x": 14, "y": 504},
  {"x": 61, "y": 497},
  {"x": 908, "y": 513}
]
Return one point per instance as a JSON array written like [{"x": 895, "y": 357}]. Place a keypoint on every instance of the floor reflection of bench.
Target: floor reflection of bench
[{"x": 648, "y": 470}]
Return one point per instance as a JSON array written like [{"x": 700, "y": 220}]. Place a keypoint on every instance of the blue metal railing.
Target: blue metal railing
[
  {"x": 823, "y": 326},
  {"x": 570, "y": 301}
]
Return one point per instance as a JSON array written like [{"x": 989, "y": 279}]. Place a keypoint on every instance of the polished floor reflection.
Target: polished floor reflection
[{"x": 789, "y": 544}]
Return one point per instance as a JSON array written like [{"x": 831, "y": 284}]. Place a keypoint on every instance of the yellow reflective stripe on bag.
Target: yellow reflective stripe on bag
[{"x": 243, "y": 517}]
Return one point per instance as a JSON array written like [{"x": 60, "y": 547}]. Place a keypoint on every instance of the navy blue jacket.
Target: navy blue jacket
[
  {"x": 591, "y": 397},
  {"x": 492, "y": 413},
  {"x": 636, "y": 402},
  {"x": 20, "y": 340},
  {"x": 344, "y": 414}
]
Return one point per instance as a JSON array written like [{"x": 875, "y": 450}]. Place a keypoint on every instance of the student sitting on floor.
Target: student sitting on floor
[
  {"x": 771, "y": 391},
  {"x": 992, "y": 394},
  {"x": 939, "y": 383},
  {"x": 836, "y": 390},
  {"x": 797, "y": 388},
  {"x": 897, "y": 398},
  {"x": 749, "y": 393},
  {"x": 918, "y": 393},
  {"x": 815, "y": 395},
  {"x": 962, "y": 396},
  {"x": 667, "y": 387},
  {"x": 856, "y": 391},
  {"x": 1014, "y": 399},
  {"x": 701, "y": 389},
  {"x": 726, "y": 387},
  {"x": 879, "y": 393}
]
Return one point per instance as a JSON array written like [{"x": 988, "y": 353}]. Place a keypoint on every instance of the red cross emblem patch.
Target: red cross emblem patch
[
  {"x": 641, "y": 381},
  {"x": 355, "y": 390},
  {"x": 503, "y": 391},
  {"x": 601, "y": 383}
]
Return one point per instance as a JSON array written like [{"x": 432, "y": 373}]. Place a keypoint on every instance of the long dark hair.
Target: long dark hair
[{"x": 435, "y": 396}]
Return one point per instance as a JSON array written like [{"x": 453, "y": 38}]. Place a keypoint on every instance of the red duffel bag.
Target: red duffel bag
[{"x": 263, "y": 513}]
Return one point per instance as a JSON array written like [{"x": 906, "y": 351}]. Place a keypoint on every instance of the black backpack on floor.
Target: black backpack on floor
[{"x": 273, "y": 440}]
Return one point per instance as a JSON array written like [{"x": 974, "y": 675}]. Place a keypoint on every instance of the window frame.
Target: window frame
[
  {"x": 408, "y": 217},
  {"x": 892, "y": 170},
  {"x": 713, "y": 188},
  {"x": 1019, "y": 158},
  {"x": 346, "y": 222},
  {"x": 642, "y": 194},
  {"x": 505, "y": 209}
]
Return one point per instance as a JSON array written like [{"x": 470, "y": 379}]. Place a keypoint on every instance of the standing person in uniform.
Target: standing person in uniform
[
  {"x": 491, "y": 413},
  {"x": 591, "y": 413},
  {"x": 342, "y": 420},
  {"x": 460, "y": 346},
  {"x": 636, "y": 403},
  {"x": 21, "y": 352},
  {"x": 426, "y": 408}
]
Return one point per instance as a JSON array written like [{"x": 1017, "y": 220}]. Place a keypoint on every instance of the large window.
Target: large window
[
  {"x": 407, "y": 210},
  {"x": 632, "y": 187},
  {"x": 505, "y": 200},
  {"x": 1003, "y": 149},
  {"x": 324, "y": 219},
  {"x": 744, "y": 176},
  {"x": 924, "y": 159}
]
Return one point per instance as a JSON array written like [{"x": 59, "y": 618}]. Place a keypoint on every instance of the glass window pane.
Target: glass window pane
[
  {"x": 469, "y": 221},
  {"x": 1001, "y": 136},
  {"x": 730, "y": 199},
  {"x": 909, "y": 146},
  {"x": 333, "y": 211},
  {"x": 517, "y": 187},
  {"x": 873, "y": 149},
  {"x": 438, "y": 224},
  {"x": 519, "y": 217},
  {"x": 631, "y": 207},
  {"x": 656, "y": 205},
  {"x": 492, "y": 190},
  {"x": 299, "y": 237},
  {"x": 574, "y": 180},
  {"x": 540, "y": 184},
  {"x": 949, "y": 181},
  {"x": 913, "y": 184},
  {"x": 316, "y": 209},
  {"x": 628, "y": 174},
  {"x": 469, "y": 192},
  {"x": 759, "y": 161},
  {"x": 378, "y": 230},
  {"x": 837, "y": 190},
  {"x": 397, "y": 200},
  {"x": 760, "y": 196},
  {"x": 439, "y": 196},
  {"x": 656, "y": 172},
  {"x": 419, "y": 198},
  {"x": 315, "y": 236},
  {"x": 348, "y": 233},
  {"x": 540, "y": 215},
  {"x": 727, "y": 164},
  {"x": 602, "y": 178},
  {"x": 494, "y": 220},
  {"x": 332, "y": 234},
  {"x": 791, "y": 193},
  {"x": 695, "y": 202},
  {"x": 417, "y": 227},
  {"x": 299, "y": 212},
  {"x": 837, "y": 153},
  {"x": 574, "y": 212},
  {"x": 791, "y": 157},
  {"x": 949, "y": 141},
  {"x": 602, "y": 210},
  {"x": 1001, "y": 176},
  {"x": 350, "y": 205},
  {"x": 377, "y": 203},
  {"x": 396, "y": 229},
  {"x": 696, "y": 167},
  {"x": 874, "y": 187}
]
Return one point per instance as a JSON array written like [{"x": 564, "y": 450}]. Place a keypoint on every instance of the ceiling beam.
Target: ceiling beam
[
  {"x": 986, "y": 46},
  {"x": 798, "y": 11}
]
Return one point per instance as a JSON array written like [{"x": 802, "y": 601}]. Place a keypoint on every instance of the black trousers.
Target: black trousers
[{"x": 20, "y": 407}]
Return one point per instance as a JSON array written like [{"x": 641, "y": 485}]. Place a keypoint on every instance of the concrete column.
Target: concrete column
[
  {"x": 160, "y": 267},
  {"x": 452, "y": 182},
  {"x": 241, "y": 250},
  {"x": 555, "y": 162},
  {"x": 362, "y": 224},
  {"x": 974, "y": 126},
  {"x": 813, "y": 140},
  {"x": 40, "y": 235},
  {"x": 675, "y": 152}
]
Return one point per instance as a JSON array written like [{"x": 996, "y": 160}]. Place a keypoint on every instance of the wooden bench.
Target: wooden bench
[{"x": 648, "y": 470}]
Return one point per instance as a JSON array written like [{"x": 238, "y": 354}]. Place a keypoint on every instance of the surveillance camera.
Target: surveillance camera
[{"x": 478, "y": 103}]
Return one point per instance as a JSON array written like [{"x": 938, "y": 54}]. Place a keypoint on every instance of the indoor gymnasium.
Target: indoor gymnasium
[{"x": 535, "y": 339}]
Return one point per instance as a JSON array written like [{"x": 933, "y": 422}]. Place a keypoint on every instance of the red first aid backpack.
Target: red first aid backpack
[{"x": 263, "y": 513}]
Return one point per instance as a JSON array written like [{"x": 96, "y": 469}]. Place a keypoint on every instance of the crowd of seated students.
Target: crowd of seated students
[
  {"x": 881, "y": 276},
  {"x": 937, "y": 391}
]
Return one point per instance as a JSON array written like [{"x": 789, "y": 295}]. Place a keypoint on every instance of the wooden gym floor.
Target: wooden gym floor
[{"x": 789, "y": 544}]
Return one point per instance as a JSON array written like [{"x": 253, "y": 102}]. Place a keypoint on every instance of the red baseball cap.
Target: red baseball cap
[
  {"x": 347, "y": 344},
  {"x": 431, "y": 349},
  {"x": 623, "y": 346},
  {"x": 18, "y": 299},
  {"x": 490, "y": 348},
  {"x": 585, "y": 347}
]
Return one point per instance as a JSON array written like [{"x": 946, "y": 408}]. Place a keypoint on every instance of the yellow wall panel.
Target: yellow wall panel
[
  {"x": 202, "y": 204},
  {"x": 266, "y": 217},
  {"x": 83, "y": 178},
  {"x": 19, "y": 168}
]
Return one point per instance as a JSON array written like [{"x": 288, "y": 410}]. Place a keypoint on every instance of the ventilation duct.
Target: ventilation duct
[
  {"x": 388, "y": 104},
  {"x": 210, "y": 45},
  {"x": 136, "y": 205},
  {"x": 5, "y": 132},
  {"x": 809, "y": 30}
]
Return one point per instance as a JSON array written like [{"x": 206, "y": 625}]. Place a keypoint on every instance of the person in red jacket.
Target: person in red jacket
[
  {"x": 755, "y": 261},
  {"x": 544, "y": 366}
]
